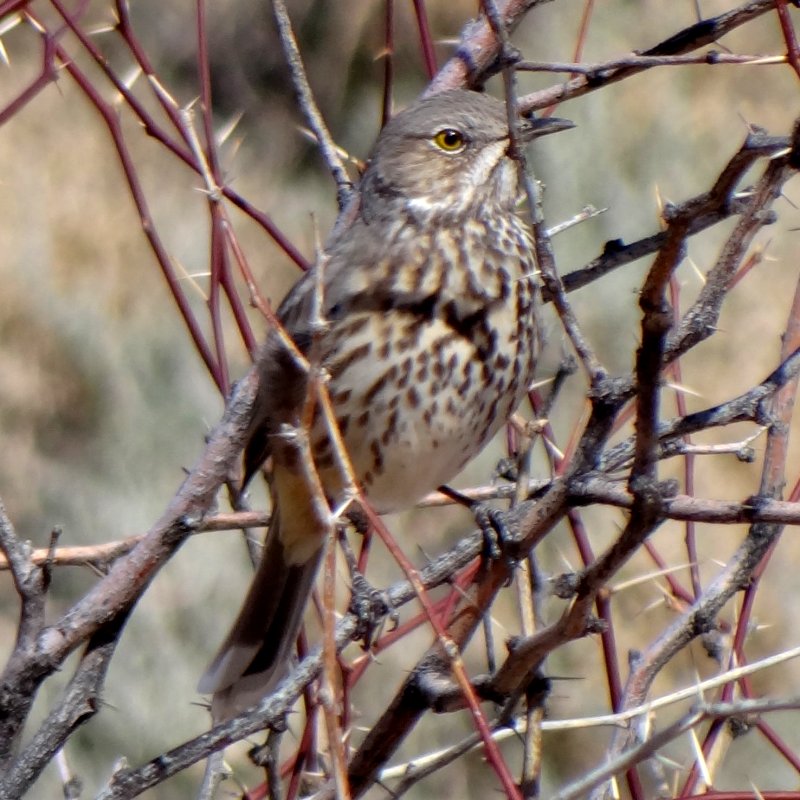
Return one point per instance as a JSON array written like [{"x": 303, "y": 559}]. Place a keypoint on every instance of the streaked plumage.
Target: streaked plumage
[{"x": 430, "y": 297}]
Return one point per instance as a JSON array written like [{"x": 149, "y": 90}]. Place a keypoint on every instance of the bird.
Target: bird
[{"x": 428, "y": 296}]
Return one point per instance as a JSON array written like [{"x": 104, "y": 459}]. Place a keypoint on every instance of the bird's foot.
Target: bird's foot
[
  {"x": 266, "y": 755},
  {"x": 497, "y": 538},
  {"x": 371, "y": 607}
]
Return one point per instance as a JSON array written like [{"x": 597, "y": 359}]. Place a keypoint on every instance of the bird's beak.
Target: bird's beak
[{"x": 534, "y": 127}]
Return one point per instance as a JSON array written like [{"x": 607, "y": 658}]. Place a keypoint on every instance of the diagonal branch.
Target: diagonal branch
[
  {"x": 108, "y": 603},
  {"x": 700, "y": 34},
  {"x": 305, "y": 98}
]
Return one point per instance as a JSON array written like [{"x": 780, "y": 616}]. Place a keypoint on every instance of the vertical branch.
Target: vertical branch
[
  {"x": 219, "y": 266},
  {"x": 208, "y": 157},
  {"x": 27, "y": 579},
  {"x": 229, "y": 285},
  {"x": 29, "y": 584},
  {"x": 531, "y": 759},
  {"x": 331, "y": 690},
  {"x": 148, "y": 225},
  {"x": 388, "y": 62},
  {"x": 690, "y": 538},
  {"x": 656, "y": 322},
  {"x": 789, "y": 35},
  {"x": 583, "y": 30},
  {"x": 773, "y": 480},
  {"x": 425, "y": 40}
]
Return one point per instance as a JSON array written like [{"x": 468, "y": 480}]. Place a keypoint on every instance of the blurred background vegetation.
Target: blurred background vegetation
[{"x": 103, "y": 400}]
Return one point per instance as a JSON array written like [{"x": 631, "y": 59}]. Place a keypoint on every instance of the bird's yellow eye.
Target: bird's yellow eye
[{"x": 449, "y": 140}]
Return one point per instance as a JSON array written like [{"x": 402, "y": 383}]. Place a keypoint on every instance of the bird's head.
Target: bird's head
[{"x": 448, "y": 154}]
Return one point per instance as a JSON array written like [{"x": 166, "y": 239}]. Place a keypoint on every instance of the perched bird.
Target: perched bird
[{"x": 429, "y": 298}]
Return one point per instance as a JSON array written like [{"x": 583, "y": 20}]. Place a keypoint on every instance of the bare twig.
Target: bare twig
[
  {"x": 711, "y": 57},
  {"x": 701, "y": 34},
  {"x": 305, "y": 98},
  {"x": 658, "y": 740}
]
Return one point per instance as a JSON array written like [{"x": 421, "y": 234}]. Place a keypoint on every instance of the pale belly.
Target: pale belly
[{"x": 413, "y": 412}]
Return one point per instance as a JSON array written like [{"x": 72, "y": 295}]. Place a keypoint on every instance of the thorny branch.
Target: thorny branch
[{"x": 702, "y": 34}]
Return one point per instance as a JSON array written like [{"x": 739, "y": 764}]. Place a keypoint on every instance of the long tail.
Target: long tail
[{"x": 255, "y": 655}]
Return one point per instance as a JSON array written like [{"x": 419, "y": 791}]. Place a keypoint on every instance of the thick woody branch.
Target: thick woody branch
[
  {"x": 79, "y": 703},
  {"x": 478, "y": 54},
  {"x": 107, "y": 604},
  {"x": 597, "y": 489},
  {"x": 656, "y": 321}
]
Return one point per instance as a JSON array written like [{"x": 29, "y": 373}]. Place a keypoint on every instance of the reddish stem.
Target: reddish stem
[
  {"x": 388, "y": 63},
  {"x": 789, "y": 36},
  {"x": 690, "y": 537},
  {"x": 111, "y": 120},
  {"x": 47, "y": 75},
  {"x": 425, "y": 40}
]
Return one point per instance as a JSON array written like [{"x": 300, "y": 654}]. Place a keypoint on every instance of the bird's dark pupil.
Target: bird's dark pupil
[{"x": 452, "y": 138}]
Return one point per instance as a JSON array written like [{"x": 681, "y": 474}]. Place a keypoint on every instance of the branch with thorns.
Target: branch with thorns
[{"x": 586, "y": 472}]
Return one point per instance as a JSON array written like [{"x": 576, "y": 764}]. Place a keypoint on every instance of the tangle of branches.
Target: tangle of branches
[{"x": 622, "y": 441}]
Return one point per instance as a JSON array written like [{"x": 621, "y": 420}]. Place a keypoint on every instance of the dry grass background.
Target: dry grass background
[{"x": 103, "y": 399}]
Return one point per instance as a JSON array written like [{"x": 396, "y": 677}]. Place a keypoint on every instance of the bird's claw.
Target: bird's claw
[
  {"x": 370, "y": 606},
  {"x": 496, "y": 536}
]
